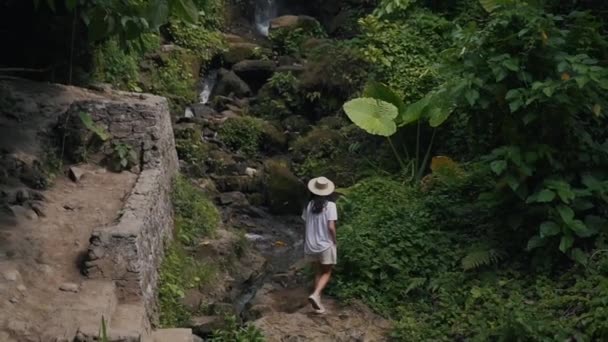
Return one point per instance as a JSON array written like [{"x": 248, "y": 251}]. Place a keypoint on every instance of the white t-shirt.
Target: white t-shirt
[{"x": 318, "y": 238}]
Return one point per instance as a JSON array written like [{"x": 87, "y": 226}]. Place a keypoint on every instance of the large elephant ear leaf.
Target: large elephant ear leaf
[
  {"x": 372, "y": 115},
  {"x": 383, "y": 92},
  {"x": 492, "y": 5},
  {"x": 414, "y": 111},
  {"x": 185, "y": 10}
]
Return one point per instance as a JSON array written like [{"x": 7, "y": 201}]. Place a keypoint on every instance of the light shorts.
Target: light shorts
[{"x": 327, "y": 257}]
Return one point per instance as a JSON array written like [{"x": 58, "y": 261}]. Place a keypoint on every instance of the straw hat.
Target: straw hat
[{"x": 321, "y": 186}]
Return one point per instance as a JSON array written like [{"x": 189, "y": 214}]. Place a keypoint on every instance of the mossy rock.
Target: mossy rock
[
  {"x": 273, "y": 140},
  {"x": 285, "y": 193},
  {"x": 320, "y": 141},
  {"x": 296, "y": 123},
  {"x": 240, "y": 51},
  {"x": 190, "y": 148},
  {"x": 250, "y": 135}
]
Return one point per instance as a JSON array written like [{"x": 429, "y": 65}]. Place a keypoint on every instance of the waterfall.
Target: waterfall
[
  {"x": 264, "y": 11},
  {"x": 206, "y": 86}
]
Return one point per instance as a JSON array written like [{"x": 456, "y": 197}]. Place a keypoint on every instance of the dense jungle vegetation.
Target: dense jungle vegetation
[{"x": 469, "y": 139}]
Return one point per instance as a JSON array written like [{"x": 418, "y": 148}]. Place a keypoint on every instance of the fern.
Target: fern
[
  {"x": 481, "y": 256},
  {"x": 414, "y": 284}
]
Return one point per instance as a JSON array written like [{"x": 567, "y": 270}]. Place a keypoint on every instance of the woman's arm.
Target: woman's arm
[{"x": 332, "y": 231}]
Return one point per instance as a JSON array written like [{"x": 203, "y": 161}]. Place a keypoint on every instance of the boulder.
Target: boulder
[
  {"x": 285, "y": 194},
  {"x": 206, "y": 325},
  {"x": 292, "y": 22},
  {"x": 241, "y": 183},
  {"x": 254, "y": 72},
  {"x": 232, "y": 198},
  {"x": 202, "y": 111},
  {"x": 230, "y": 83},
  {"x": 240, "y": 51},
  {"x": 295, "y": 69},
  {"x": 296, "y": 123}
]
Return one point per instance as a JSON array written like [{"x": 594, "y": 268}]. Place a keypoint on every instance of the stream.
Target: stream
[{"x": 265, "y": 10}]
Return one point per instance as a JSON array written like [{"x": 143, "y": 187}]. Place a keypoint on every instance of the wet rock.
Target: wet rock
[
  {"x": 251, "y": 172},
  {"x": 239, "y": 51},
  {"x": 11, "y": 275},
  {"x": 75, "y": 173},
  {"x": 296, "y": 123},
  {"x": 37, "y": 207},
  {"x": 206, "y": 325},
  {"x": 222, "y": 309},
  {"x": 23, "y": 212},
  {"x": 69, "y": 287},
  {"x": 21, "y": 196},
  {"x": 232, "y": 198},
  {"x": 254, "y": 72},
  {"x": 203, "y": 111},
  {"x": 293, "y": 22},
  {"x": 230, "y": 83},
  {"x": 288, "y": 60},
  {"x": 240, "y": 183}
]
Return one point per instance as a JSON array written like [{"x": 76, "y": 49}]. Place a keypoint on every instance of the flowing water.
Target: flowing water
[
  {"x": 264, "y": 11},
  {"x": 206, "y": 86}
]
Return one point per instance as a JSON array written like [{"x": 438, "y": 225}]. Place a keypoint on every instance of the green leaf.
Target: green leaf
[
  {"x": 71, "y": 4},
  {"x": 580, "y": 229},
  {"x": 157, "y": 13},
  {"x": 439, "y": 109},
  {"x": 87, "y": 121},
  {"x": 512, "y": 182},
  {"x": 98, "y": 26},
  {"x": 185, "y": 10},
  {"x": 498, "y": 166},
  {"x": 374, "y": 116},
  {"x": 566, "y": 243},
  {"x": 549, "y": 228},
  {"x": 511, "y": 64},
  {"x": 579, "y": 256},
  {"x": 471, "y": 95},
  {"x": 535, "y": 242},
  {"x": 543, "y": 196},
  {"x": 492, "y": 5},
  {"x": 382, "y": 92},
  {"x": 566, "y": 213},
  {"x": 414, "y": 111}
]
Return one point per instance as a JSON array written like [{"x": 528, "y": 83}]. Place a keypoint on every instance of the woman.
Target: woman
[{"x": 320, "y": 216}]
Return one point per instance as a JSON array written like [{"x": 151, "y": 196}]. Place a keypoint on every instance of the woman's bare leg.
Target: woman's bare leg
[{"x": 323, "y": 279}]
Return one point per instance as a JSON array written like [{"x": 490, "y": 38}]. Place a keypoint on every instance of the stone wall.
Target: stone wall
[{"x": 130, "y": 251}]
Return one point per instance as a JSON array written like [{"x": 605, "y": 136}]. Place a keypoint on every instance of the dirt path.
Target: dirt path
[
  {"x": 279, "y": 305},
  {"x": 289, "y": 317},
  {"x": 41, "y": 254}
]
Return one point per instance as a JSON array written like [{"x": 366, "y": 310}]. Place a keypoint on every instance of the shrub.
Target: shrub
[
  {"x": 116, "y": 66},
  {"x": 178, "y": 273},
  {"x": 334, "y": 72},
  {"x": 233, "y": 332},
  {"x": 195, "y": 214},
  {"x": 289, "y": 40},
  {"x": 402, "y": 53},
  {"x": 249, "y": 135},
  {"x": 174, "y": 80},
  {"x": 203, "y": 42},
  {"x": 389, "y": 244}
]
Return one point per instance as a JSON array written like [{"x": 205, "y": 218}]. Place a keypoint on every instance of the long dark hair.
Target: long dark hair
[{"x": 318, "y": 203}]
